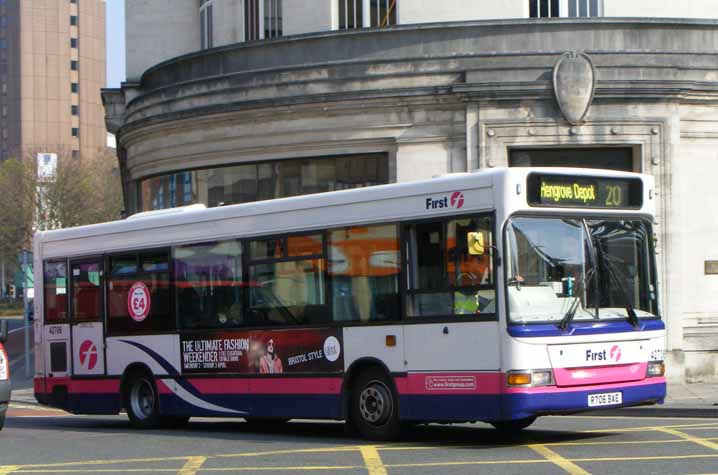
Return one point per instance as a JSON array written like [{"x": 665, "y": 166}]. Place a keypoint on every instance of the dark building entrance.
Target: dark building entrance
[{"x": 605, "y": 158}]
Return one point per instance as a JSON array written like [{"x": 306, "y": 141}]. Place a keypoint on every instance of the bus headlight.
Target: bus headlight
[
  {"x": 655, "y": 368},
  {"x": 539, "y": 377}
]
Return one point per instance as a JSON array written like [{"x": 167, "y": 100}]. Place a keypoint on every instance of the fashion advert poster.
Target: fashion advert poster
[{"x": 263, "y": 351}]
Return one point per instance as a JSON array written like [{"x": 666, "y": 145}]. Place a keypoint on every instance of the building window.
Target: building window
[
  {"x": 366, "y": 13},
  {"x": 251, "y": 20},
  {"x": 585, "y": 8},
  {"x": 75, "y": 110},
  {"x": 73, "y": 65},
  {"x": 73, "y": 1},
  {"x": 205, "y": 23},
  {"x": 74, "y": 87},
  {"x": 73, "y": 42},
  {"x": 262, "y": 181},
  {"x": 272, "y": 18},
  {"x": 75, "y": 132},
  {"x": 3, "y": 43},
  {"x": 565, "y": 8},
  {"x": 382, "y": 13},
  {"x": 75, "y": 154},
  {"x": 73, "y": 20}
]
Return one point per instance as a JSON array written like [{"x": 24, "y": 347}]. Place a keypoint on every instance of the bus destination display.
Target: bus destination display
[{"x": 584, "y": 192}]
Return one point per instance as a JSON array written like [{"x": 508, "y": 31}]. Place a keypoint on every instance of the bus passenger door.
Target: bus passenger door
[
  {"x": 86, "y": 308},
  {"x": 56, "y": 328},
  {"x": 452, "y": 345}
]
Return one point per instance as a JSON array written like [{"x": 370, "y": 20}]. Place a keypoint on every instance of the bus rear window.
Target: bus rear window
[{"x": 55, "y": 276}]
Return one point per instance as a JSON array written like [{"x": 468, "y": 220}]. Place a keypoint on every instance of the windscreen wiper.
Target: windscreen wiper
[
  {"x": 573, "y": 308},
  {"x": 632, "y": 317}
]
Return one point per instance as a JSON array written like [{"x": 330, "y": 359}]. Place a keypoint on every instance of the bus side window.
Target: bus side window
[
  {"x": 208, "y": 284},
  {"x": 146, "y": 275},
  {"x": 86, "y": 291},
  {"x": 450, "y": 268},
  {"x": 287, "y": 281},
  {"x": 364, "y": 267},
  {"x": 55, "y": 288}
]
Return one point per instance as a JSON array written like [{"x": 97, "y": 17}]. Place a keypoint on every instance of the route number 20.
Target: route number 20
[{"x": 613, "y": 195}]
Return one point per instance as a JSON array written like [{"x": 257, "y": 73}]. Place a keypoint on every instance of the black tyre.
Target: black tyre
[
  {"x": 509, "y": 427},
  {"x": 374, "y": 406},
  {"x": 142, "y": 401},
  {"x": 2, "y": 420}
]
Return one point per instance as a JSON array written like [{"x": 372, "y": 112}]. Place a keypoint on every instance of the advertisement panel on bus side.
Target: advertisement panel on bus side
[{"x": 263, "y": 351}]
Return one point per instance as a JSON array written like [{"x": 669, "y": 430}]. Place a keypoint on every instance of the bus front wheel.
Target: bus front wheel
[
  {"x": 142, "y": 401},
  {"x": 374, "y": 406}
]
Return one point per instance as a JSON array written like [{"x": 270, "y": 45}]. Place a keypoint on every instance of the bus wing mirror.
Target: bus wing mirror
[
  {"x": 3, "y": 331},
  {"x": 475, "y": 241}
]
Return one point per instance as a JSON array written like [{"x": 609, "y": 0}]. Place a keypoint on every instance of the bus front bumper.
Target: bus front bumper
[{"x": 529, "y": 402}]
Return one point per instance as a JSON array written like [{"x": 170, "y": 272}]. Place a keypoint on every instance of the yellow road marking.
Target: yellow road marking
[
  {"x": 92, "y": 462},
  {"x": 15, "y": 405},
  {"x": 218, "y": 469},
  {"x": 642, "y": 417},
  {"x": 20, "y": 469},
  {"x": 556, "y": 459},
  {"x": 284, "y": 469},
  {"x": 705, "y": 425},
  {"x": 351, "y": 448},
  {"x": 94, "y": 470},
  {"x": 689, "y": 438},
  {"x": 372, "y": 460},
  {"x": 625, "y": 442},
  {"x": 8, "y": 469},
  {"x": 192, "y": 466}
]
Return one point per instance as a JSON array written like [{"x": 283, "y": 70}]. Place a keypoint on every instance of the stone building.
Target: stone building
[{"x": 237, "y": 100}]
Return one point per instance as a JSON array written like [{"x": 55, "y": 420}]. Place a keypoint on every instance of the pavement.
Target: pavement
[{"x": 683, "y": 399}]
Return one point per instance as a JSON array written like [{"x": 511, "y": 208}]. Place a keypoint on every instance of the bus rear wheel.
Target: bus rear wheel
[
  {"x": 374, "y": 406},
  {"x": 142, "y": 401}
]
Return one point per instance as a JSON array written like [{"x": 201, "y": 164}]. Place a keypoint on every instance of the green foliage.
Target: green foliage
[{"x": 84, "y": 191}]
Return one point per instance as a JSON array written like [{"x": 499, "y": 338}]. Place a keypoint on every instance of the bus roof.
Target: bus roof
[{"x": 408, "y": 200}]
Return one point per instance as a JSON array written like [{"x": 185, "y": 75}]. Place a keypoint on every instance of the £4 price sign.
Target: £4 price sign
[{"x": 138, "y": 301}]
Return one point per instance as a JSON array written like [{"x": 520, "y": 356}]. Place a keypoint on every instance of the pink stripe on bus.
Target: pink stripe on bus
[
  {"x": 296, "y": 385},
  {"x": 93, "y": 386},
  {"x": 600, "y": 374},
  {"x": 591, "y": 387},
  {"x": 79, "y": 386},
  {"x": 451, "y": 383}
]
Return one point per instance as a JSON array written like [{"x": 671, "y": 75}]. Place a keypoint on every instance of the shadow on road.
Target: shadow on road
[{"x": 479, "y": 436}]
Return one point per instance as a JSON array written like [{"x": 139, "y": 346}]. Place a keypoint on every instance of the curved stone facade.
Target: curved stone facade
[{"x": 440, "y": 98}]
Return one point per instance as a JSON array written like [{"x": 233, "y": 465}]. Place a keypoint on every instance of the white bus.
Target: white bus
[{"x": 495, "y": 296}]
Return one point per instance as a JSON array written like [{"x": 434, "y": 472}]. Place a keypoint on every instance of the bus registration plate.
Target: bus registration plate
[{"x": 604, "y": 399}]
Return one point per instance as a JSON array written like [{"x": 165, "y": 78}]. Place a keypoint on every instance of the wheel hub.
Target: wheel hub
[{"x": 375, "y": 403}]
